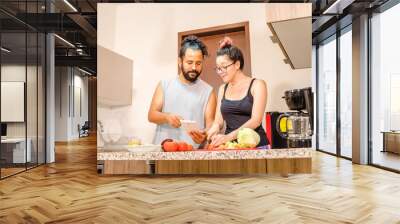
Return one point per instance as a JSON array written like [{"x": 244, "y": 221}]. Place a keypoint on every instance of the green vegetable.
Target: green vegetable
[
  {"x": 231, "y": 145},
  {"x": 248, "y": 138}
]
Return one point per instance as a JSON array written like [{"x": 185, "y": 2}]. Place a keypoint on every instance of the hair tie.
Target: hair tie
[{"x": 226, "y": 42}]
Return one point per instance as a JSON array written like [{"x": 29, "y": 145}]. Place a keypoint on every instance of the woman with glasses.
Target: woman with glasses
[{"x": 241, "y": 99}]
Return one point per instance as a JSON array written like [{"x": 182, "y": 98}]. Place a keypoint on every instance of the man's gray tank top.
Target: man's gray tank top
[{"x": 186, "y": 100}]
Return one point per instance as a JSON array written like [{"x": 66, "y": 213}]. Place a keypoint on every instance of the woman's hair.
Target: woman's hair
[
  {"x": 233, "y": 53},
  {"x": 194, "y": 43}
]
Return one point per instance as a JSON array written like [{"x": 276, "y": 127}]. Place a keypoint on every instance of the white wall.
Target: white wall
[
  {"x": 152, "y": 44},
  {"x": 61, "y": 103},
  {"x": 80, "y": 118},
  {"x": 12, "y": 73},
  {"x": 65, "y": 119},
  {"x": 33, "y": 127}
]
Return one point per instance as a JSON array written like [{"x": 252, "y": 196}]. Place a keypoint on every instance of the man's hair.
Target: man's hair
[
  {"x": 233, "y": 53},
  {"x": 194, "y": 43}
]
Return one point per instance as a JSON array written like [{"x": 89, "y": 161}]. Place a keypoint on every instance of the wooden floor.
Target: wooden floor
[
  {"x": 70, "y": 191},
  {"x": 10, "y": 171},
  {"x": 5, "y": 172},
  {"x": 386, "y": 159}
]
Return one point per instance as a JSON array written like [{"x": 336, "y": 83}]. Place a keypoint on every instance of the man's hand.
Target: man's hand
[
  {"x": 174, "y": 120},
  {"x": 198, "y": 136}
]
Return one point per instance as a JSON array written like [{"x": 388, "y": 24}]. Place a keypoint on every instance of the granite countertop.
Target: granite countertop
[{"x": 124, "y": 153}]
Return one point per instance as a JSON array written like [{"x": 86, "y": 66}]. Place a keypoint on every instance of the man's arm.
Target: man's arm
[
  {"x": 156, "y": 116},
  {"x": 209, "y": 114}
]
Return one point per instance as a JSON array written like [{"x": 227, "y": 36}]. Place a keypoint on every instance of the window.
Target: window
[
  {"x": 329, "y": 112},
  {"x": 327, "y": 95},
  {"x": 346, "y": 92},
  {"x": 22, "y": 66},
  {"x": 385, "y": 88}
]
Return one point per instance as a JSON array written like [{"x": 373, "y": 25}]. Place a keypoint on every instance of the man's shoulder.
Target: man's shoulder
[
  {"x": 204, "y": 84},
  {"x": 166, "y": 82}
]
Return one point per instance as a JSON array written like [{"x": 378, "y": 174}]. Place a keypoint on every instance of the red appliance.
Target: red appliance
[{"x": 275, "y": 140}]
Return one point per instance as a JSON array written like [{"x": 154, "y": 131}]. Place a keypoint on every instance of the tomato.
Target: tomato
[
  {"x": 182, "y": 146},
  {"x": 170, "y": 146},
  {"x": 166, "y": 140},
  {"x": 190, "y": 147}
]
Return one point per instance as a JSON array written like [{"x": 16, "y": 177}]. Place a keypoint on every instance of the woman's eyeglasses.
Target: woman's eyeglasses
[{"x": 222, "y": 69}]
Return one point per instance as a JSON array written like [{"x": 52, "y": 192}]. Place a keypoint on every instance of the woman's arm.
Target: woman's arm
[
  {"x": 218, "y": 121},
  {"x": 209, "y": 115}
]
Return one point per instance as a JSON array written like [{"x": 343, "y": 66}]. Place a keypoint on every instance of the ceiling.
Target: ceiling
[{"x": 76, "y": 22}]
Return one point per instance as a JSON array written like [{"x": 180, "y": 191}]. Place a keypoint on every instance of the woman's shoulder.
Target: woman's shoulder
[
  {"x": 258, "y": 84},
  {"x": 222, "y": 86},
  {"x": 221, "y": 89}
]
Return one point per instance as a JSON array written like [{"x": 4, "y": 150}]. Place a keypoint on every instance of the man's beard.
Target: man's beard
[{"x": 188, "y": 75}]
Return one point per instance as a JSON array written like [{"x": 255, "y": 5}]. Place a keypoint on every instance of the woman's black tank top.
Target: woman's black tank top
[{"x": 238, "y": 112}]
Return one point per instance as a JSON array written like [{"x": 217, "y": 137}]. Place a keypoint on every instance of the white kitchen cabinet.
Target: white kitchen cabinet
[
  {"x": 114, "y": 78},
  {"x": 290, "y": 25}
]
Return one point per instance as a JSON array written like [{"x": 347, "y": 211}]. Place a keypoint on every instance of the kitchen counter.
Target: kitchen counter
[
  {"x": 125, "y": 154},
  {"x": 126, "y": 160}
]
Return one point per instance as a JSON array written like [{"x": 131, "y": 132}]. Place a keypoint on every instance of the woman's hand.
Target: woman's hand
[
  {"x": 220, "y": 139},
  {"x": 198, "y": 136},
  {"x": 212, "y": 132}
]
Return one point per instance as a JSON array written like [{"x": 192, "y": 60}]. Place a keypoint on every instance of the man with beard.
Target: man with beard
[{"x": 186, "y": 97}]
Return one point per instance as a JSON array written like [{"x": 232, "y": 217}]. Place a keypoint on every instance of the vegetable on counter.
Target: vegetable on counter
[
  {"x": 169, "y": 145},
  {"x": 247, "y": 139}
]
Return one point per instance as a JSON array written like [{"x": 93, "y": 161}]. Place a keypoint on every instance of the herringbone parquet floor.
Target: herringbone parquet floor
[{"x": 70, "y": 191}]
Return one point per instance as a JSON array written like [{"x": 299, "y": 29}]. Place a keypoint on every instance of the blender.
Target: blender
[{"x": 297, "y": 126}]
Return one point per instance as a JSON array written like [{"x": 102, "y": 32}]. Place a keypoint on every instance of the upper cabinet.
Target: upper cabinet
[
  {"x": 290, "y": 25},
  {"x": 114, "y": 78}
]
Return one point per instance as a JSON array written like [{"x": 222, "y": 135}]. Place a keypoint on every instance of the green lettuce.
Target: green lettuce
[{"x": 248, "y": 138}]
